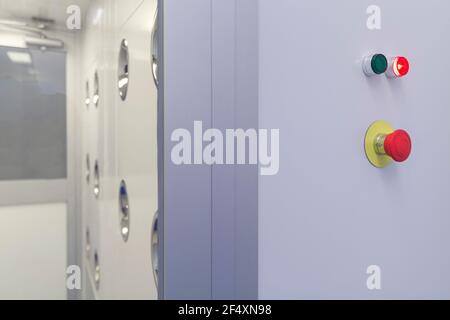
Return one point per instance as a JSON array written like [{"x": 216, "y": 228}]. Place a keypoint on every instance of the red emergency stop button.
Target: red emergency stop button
[
  {"x": 398, "y": 67},
  {"x": 383, "y": 144},
  {"x": 398, "y": 145}
]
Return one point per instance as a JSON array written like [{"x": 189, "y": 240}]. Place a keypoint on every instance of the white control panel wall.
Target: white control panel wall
[{"x": 331, "y": 223}]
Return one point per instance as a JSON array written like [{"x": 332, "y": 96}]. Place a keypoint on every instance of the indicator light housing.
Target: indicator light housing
[{"x": 375, "y": 64}]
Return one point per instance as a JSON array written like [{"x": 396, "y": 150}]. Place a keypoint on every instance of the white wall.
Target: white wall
[{"x": 33, "y": 250}]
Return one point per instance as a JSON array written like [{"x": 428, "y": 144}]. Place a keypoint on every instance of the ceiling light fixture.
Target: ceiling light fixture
[{"x": 19, "y": 57}]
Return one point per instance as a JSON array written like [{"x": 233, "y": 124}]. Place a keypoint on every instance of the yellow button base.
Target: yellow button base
[{"x": 376, "y": 129}]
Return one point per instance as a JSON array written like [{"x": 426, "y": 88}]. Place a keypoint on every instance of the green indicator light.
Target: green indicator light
[{"x": 379, "y": 63}]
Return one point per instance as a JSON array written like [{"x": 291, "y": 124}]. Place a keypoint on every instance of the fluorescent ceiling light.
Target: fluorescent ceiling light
[
  {"x": 44, "y": 42},
  {"x": 19, "y": 57}
]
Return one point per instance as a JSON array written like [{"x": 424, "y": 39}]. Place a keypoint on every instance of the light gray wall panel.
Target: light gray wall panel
[
  {"x": 187, "y": 98},
  {"x": 210, "y": 213},
  {"x": 246, "y": 184},
  {"x": 223, "y": 176}
]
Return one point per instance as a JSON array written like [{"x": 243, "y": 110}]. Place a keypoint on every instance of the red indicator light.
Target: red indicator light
[
  {"x": 398, "y": 145},
  {"x": 400, "y": 66}
]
